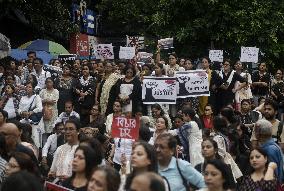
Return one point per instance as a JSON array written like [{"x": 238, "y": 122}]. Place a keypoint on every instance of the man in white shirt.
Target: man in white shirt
[
  {"x": 51, "y": 144},
  {"x": 69, "y": 112},
  {"x": 40, "y": 74}
]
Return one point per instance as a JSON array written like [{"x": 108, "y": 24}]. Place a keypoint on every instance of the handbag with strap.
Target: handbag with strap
[
  {"x": 187, "y": 185},
  {"x": 35, "y": 117}
]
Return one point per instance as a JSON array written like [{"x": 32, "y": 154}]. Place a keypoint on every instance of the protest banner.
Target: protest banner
[
  {"x": 166, "y": 43},
  {"x": 67, "y": 57},
  {"x": 249, "y": 54},
  {"x": 192, "y": 83},
  {"x": 123, "y": 127},
  {"x": 216, "y": 55},
  {"x": 144, "y": 55},
  {"x": 104, "y": 51},
  {"x": 49, "y": 186},
  {"x": 135, "y": 41},
  {"x": 159, "y": 90},
  {"x": 126, "y": 52}
]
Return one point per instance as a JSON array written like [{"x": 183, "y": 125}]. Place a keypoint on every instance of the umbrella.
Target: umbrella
[
  {"x": 19, "y": 54},
  {"x": 5, "y": 46},
  {"x": 44, "y": 45}
]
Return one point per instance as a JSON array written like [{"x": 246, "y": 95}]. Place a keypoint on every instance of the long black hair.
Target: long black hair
[{"x": 151, "y": 155}]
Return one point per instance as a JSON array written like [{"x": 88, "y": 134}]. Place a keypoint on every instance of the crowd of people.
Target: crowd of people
[{"x": 56, "y": 126}]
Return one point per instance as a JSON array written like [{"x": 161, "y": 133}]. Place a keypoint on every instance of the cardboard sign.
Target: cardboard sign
[
  {"x": 166, "y": 43},
  {"x": 192, "y": 83},
  {"x": 104, "y": 51},
  {"x": 249, "y": 54},
  {"x": 216, "y": 55},
  {"x": 127, "y": 52},
  {"x": 123, "y": 127},
  {"x": 159, "y": 90},
  {"x": 135, "y": 41},
  {"x": 49, "y": 186}
]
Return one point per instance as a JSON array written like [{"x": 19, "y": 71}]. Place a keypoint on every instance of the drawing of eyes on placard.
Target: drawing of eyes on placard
[{"x": 104, "y": 51}]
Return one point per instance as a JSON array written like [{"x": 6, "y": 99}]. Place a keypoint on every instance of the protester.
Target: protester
[
  {"x": 129, "y": 90},
  {"x": 148, "y": 181},
  {"x": 10, "y": 102},
  {"x": 22, "y": 180},
  {"x": 82, "y": 167},
  {"x": 143, "y": 159},
  {"x": 104, "y": 179},
  {"x": 61, "y": 165},
  {"x": 262, "y": 173},
  {"x": 67, "y": 114},
  {"x": 40, "y": 73},
  {"x": 30, "y": 109},
  {"x": 53, "y": 142},
  {"x": 49, "y": 97},
  {"x": 190, "y": 135},
  {"x": 13, "y": 141},
  {"x": 64, "y": 84},
  {"x": 19, "y": 162},
  {"x": 263, "y": 133},
  {"x": 179, "y": 173},
  {"x": 260, "y": 82},
  {"x": 217, "y": 176},
  {"x": 85, "y": 92}
]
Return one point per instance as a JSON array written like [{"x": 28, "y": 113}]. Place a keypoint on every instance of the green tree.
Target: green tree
[{"x": 198, "y": 26}]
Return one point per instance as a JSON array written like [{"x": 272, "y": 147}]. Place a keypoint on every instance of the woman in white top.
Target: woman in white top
[
  {"x": 30, "y": 104},
  {"x": 49, "y": 97},
  {"x": 10, "y": 102},
  {"x": 117, "y": 111},
  {"x": 161, "y": 127}
]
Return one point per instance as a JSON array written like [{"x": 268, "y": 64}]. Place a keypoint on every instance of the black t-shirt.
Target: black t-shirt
[
  {"x": 260, "y": 90},
  {"x": 68, "y": 184}
]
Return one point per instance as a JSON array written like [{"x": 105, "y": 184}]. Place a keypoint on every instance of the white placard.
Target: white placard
[
  {"x": 166, "y": 43},
  {"x": 216, "y": 55},
  {"x": 159, "y": 90},
  {"x": 249, "y": 54},
  {"x": 126, "y": 52},
  {"x": 192, "y": 83},
  {"x": 135, "y": 41},
  {"x": 104, "y": 51}
]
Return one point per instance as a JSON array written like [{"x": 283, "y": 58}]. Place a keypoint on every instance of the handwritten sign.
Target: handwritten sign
[
  {"x": 123, "y": 127},
  {"x": 54, "y": 187},
  {"x": 104, "y": 51},
  {"x": 216, "y": 55},
  {"x": 249, "y": 54},
  {"x": 166, "y": 43},
  {"x": 159, "y": 90},
  {"x": 126, "y": 52},
  {"x": 192, "y": 83}
]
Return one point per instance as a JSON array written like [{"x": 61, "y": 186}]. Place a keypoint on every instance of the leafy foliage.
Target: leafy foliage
[{"x": 204, "y": 24}]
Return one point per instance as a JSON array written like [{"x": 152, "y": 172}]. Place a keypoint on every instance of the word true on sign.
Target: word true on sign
[{"x": 123, "y": 127}]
